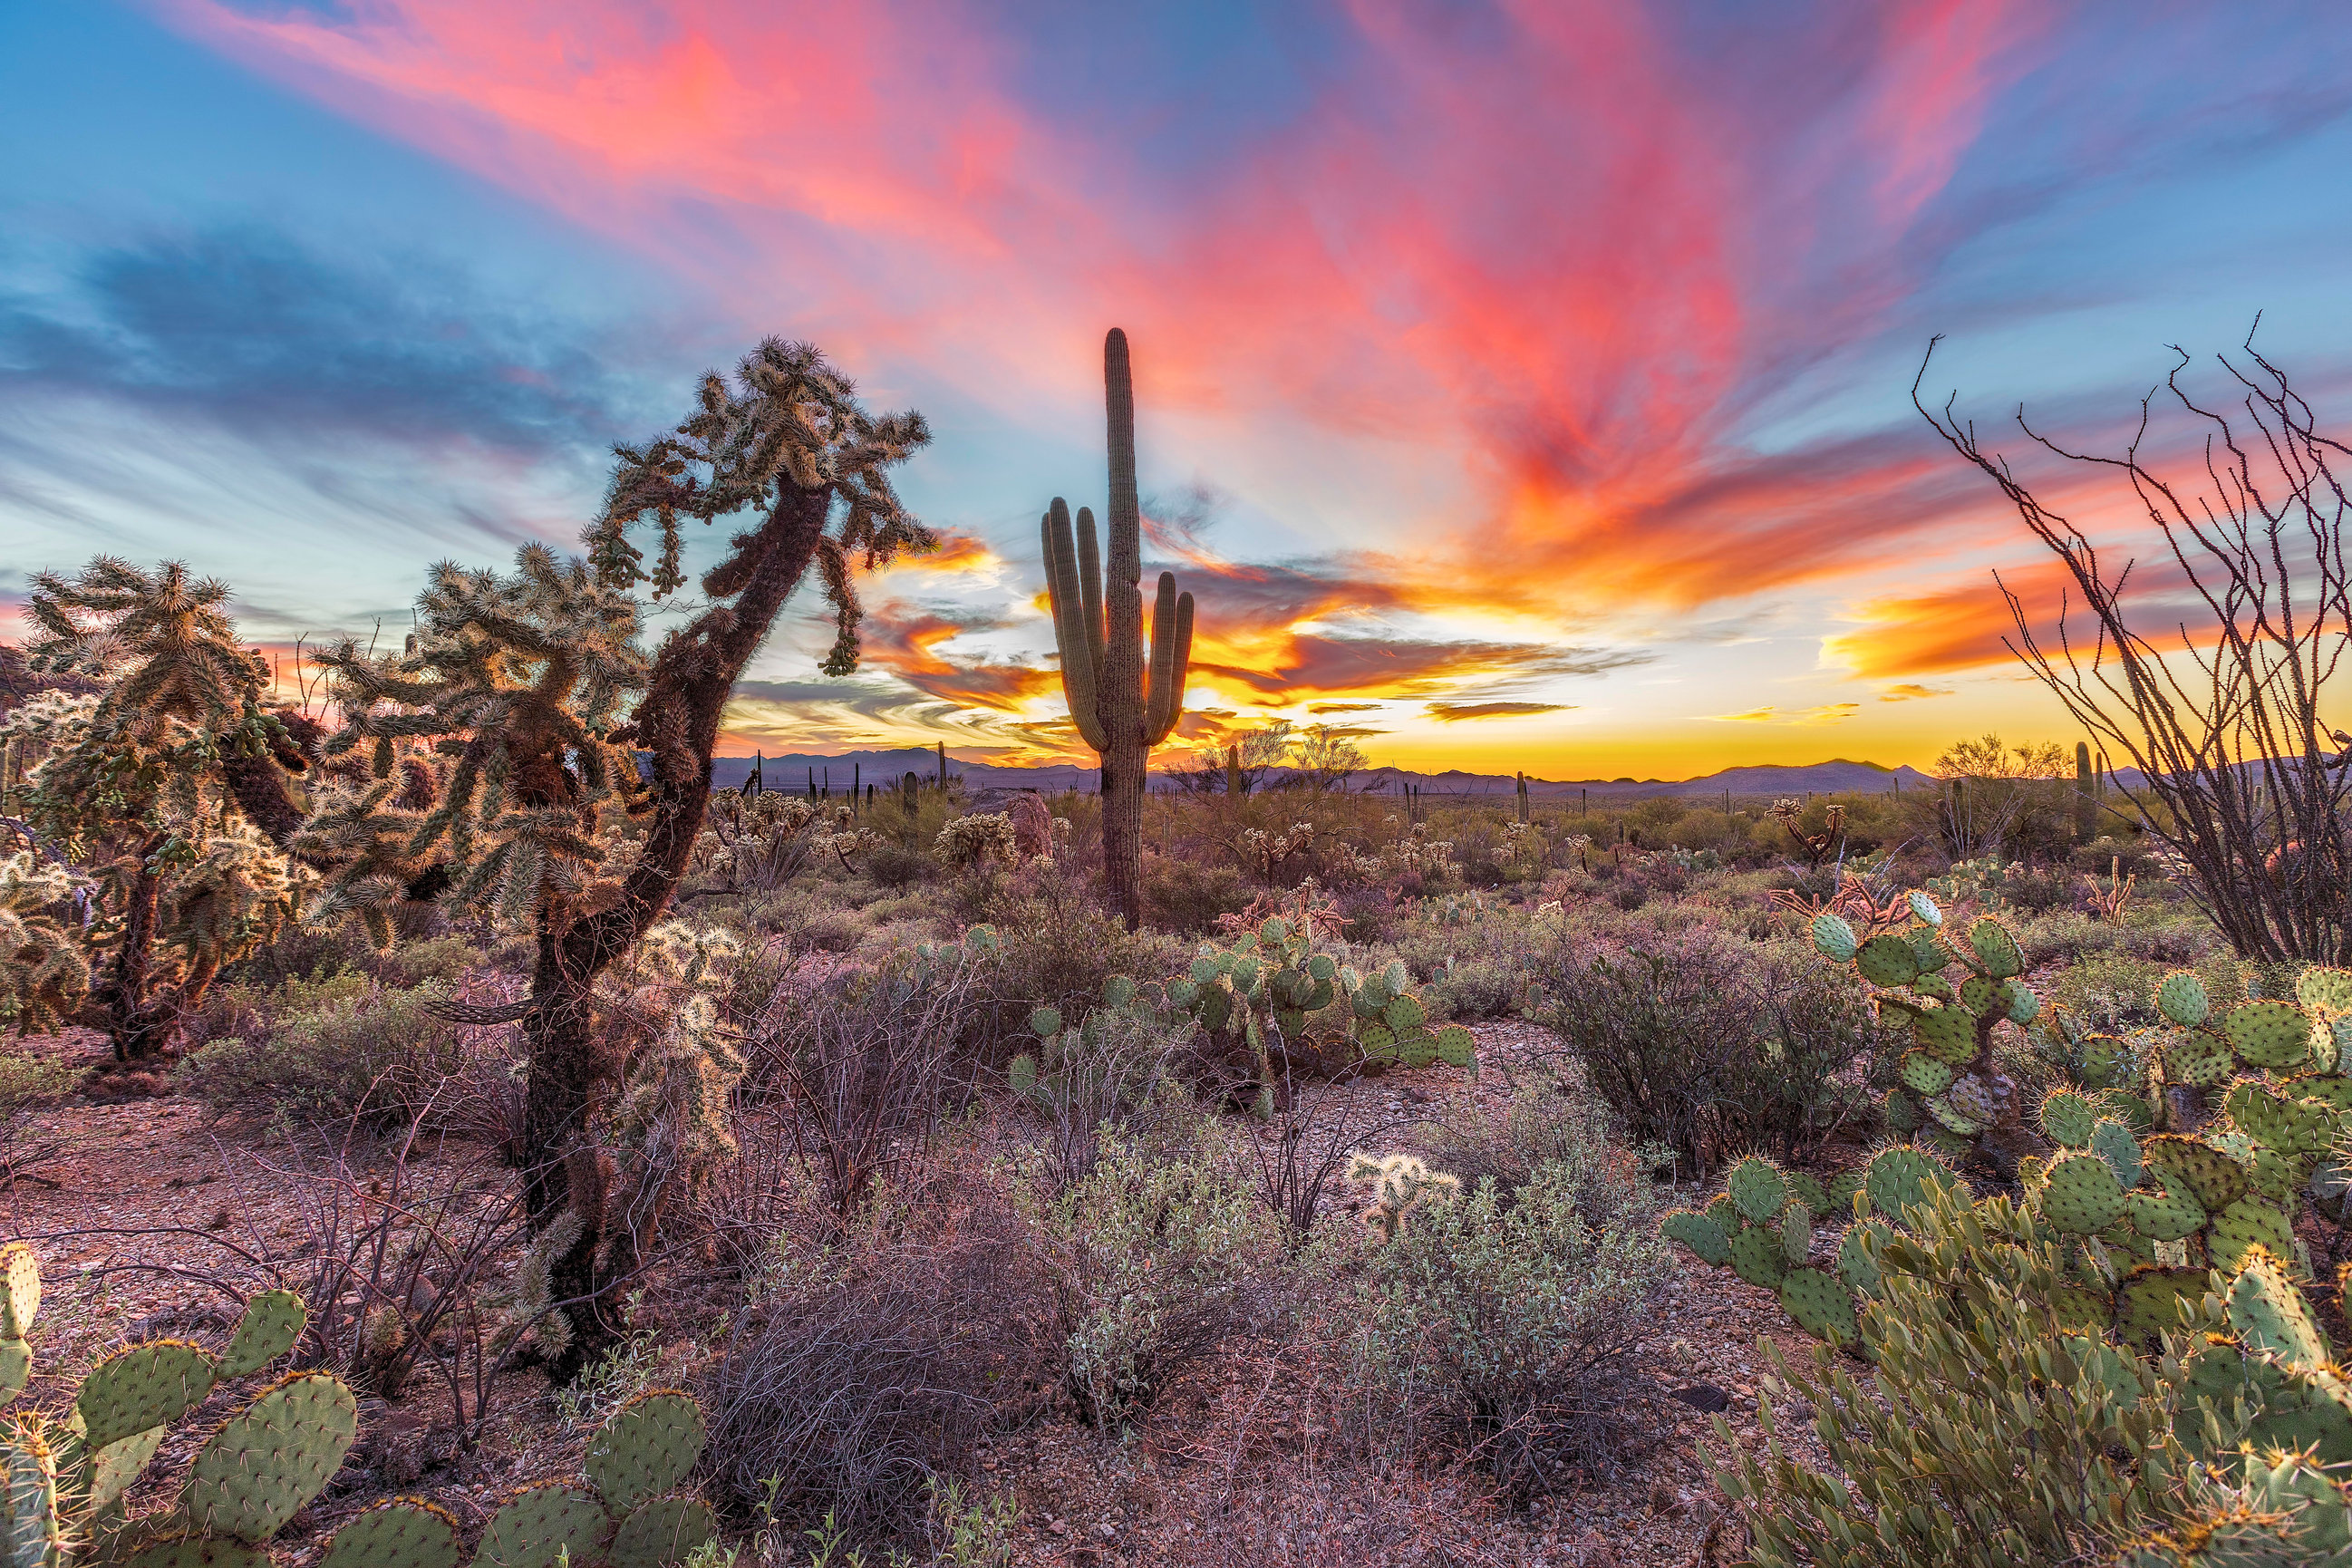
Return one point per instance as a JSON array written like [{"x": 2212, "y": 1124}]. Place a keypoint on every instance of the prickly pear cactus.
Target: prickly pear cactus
[
  {"x": 65, "y": 1480},
  {"x": 630, "y": 1512},
  {"x": 1955, "y": 1098},
  {"x": 1295, "y": 1009}
]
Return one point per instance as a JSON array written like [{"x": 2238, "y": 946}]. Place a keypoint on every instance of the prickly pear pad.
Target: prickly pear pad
[
  {"x": 1757, "y": 1256},
  {"x": 196, "y": 1551},
  {"x": 113, "y": 1467},
  {"x": 1947, "y": 1033},
  {"x": 20, "y": 1289},
  {"x": 2151, "y": 1297},
  {"x": 2080, "y": 1195},
  {"x": 2112, "y": 1142},
  {"x": 269, "y": 1459},
  {"x": 2245, "y": 1224},
  {"x": 1896, "y": 1180},
  {"x": 2194, "y": 1167},
  {"x": 2180, "y": 998},
  {"x": 647, "y": 1448},
  {"x": 1924, "y": 1074},
  {"x": 2165, "y": 1216},
  {"x": 1995, "y": 948},
  {"x": 2269, "y": 1034},
  {"x": 1757, "y": 1188},
  {"x": 663, "y": 1532},
  {"x": 1887, "y": 960},
  {"x": 273, "y": 1321},
  {"x": 2198, "y": 1057},
  {"x": 1698, "y": 1231},
  {"x": 1821, "y": 1306},
  {"x": 2270, "y": 1315},
  {"x": 1833, "y": 939},
  {"x": 142, "y": 1385},
  {"x": 2067, "y": 1117},
  {"x": 2326, "y": 993},
  {"x": 406, "y": 1533},
  {"x": 539, "y": 1523},
  {"x": 2292, "y": 1127}
]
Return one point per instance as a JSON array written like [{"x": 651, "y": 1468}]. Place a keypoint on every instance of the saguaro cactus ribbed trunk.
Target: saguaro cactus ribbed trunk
[{"x": 1120, "y": 713}]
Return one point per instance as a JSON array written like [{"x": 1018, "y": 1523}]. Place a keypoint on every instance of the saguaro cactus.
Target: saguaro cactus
[
  {"x": 1120, "y": 713},
  {"x": 2086, "y": 811}
]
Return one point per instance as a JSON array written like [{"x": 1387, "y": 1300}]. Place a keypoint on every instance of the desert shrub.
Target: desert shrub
[
  {"x": 2110, "y": 993},
  {"x": 1975, "y": 1366},
  {"x": 28, "y": 1083},
  {"x": 1710, "y": 1045},
  {"x": 344, "y": 1049},
  {"x": 1186, "y": 895},
  {"x": 446, "y": 957},
  {"x": 1487, "y": 987},
  {"x": 897, "y": 867},
  {"x": 1159, "y": 1255},
  {"x": 1547, "y": 1124},
  {"x": 1519, "y": 1320},
  {"x": 1057, "y": 948},
  {"x": 860, "y": 1370},
  {"x": 860, "y": 1056}
]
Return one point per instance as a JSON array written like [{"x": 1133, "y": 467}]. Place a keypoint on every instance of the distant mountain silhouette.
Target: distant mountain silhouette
[{"x": 795, "y": 771}]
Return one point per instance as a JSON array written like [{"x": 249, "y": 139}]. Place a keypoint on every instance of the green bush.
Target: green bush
[
  {"x": 1517, "y": 1319},
  {"x": 1185, "y": 895},
  {"x": 1156, "y": 1258},
  {"x": 343, "y": 1049},
  {"x": 1710, "y": 1045}
]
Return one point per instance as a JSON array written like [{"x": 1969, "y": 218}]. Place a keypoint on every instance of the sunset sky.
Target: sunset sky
[{"x": 1526, "y": 385}]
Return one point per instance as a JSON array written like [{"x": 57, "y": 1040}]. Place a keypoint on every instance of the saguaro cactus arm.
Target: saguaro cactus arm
[
  {"x": 1074, "y": 589},
  {"x": 1171, "y": 656}
]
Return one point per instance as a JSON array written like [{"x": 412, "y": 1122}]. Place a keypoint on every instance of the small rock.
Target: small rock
[{"x": 1703, "y": 1396}]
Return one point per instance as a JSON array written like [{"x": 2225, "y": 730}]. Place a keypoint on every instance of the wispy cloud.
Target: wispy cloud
[
  {"x": 1826, "y": 713},
  {"x": 1913, "y": 691},
  {"x": 1454, "y": 713}
]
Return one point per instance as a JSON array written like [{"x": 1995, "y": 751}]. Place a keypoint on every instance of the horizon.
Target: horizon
[{"x": 1521, "y": 389}]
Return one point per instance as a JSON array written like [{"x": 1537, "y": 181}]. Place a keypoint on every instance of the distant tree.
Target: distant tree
[
  {"x": 1327, "y": 756},
  {"x": 167, "y": 787},
  {"x": 2239, "y": 774},
  {"x": 1989, "y": 787},
  {"x": 1264, "y": 748}
]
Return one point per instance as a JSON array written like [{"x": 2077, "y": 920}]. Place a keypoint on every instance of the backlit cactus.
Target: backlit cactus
[
  {"x": 65, "y": 1479},
  {"x": 1401, "y": 1184},
  {"x": 1120, "y": 710}
]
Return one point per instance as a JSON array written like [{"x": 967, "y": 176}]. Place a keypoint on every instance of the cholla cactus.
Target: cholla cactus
[
  {"x": 1267, "y": 852},
  {"x": 1524, "y": 850},
  {"x": 971, "y": 839},
  {"x": 68, "y": 1479},
  {"x": 1401, "y": 1184},
  {"x": 44, "y": 975},
  {"x": 521, "y": 681},
  {"x": 133, "y": 782}
]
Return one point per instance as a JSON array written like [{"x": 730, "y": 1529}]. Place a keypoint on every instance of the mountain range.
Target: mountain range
[{"x": 838, "y": 774}]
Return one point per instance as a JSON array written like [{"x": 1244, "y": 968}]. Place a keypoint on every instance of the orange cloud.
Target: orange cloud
[
  {"x": 1454, "y": 713},
  {"x": 1911, "y": 691},
  {"x": 1556, "y": 249},
  {"x": 1827, "y": 713}
]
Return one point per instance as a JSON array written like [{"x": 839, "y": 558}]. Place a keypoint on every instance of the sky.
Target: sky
[{"x": 1520, "y": 386}]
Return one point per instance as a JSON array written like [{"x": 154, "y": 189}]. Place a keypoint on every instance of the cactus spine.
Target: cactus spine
[{"x": 1099, "y": 627}]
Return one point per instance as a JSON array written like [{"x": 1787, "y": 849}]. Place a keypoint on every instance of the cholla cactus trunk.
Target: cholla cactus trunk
[{"x": 1099, "y": 625}]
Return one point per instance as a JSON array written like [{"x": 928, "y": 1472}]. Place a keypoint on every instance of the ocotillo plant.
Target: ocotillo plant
[{"x": 1099, "y": 626}]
